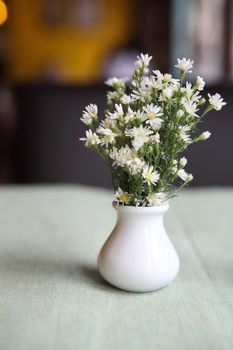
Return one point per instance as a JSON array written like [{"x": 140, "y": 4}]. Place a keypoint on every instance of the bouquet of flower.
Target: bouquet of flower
[{"x": 147, "y": 124}]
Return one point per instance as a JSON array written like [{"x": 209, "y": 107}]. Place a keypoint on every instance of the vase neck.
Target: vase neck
[{"x": 141, "y": 214}]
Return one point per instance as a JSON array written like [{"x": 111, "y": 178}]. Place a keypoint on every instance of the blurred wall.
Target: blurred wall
[
  {"x": 47, "y": 148},
  {"x": 65, "y": 40},
  {"x": 77, "y": 43}
]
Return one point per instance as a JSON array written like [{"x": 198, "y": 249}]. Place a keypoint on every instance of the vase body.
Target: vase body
[{"x": 138, "y": 256}]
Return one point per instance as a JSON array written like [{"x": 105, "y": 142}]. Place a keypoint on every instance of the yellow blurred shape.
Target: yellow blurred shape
[
  {"x": 67, "y": 50},
  {"x": 3, "y": 12}
]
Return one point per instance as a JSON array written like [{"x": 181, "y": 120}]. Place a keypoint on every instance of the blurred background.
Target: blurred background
[{"x": 55, "y": 56}]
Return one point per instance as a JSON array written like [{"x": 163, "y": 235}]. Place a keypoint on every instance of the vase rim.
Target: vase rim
[{"x": 130, "y": 208}]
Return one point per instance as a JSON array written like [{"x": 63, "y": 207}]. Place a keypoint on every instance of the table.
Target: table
[{"x": 52, "y": 297}]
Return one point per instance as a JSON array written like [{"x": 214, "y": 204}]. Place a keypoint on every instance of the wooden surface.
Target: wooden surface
[{"x": 51, "y": 296}]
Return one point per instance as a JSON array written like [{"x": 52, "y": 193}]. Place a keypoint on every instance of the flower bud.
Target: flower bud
[
  {"x": 183, "y": 162},
  {"x": 204, "y": 136},
  {"x": 202, "y": 101},
  {"x": 199, "y": 85},
  {"x": 189, "y": 178},
  {"x": 180, "y": 113},
  {"x": 174, "y": 170},
  {"x": 106, "y": 152},
  {"x": 150, "y": 148},
  {"x": 155, "y": 138}
]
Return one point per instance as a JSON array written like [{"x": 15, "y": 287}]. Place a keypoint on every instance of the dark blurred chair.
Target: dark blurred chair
[{"x": 47, "y": 147}]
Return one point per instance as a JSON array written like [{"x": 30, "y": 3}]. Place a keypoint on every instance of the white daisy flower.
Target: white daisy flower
[
  {"x": 216, "y": 101},
  {"x": 92, "y": 109},
  {"x": 135, "y": 165},
  {"x": 190, "y": 107},
  {"x": 167, "y": 93},
  {"x": 196, "y": 97},
  {"x": 146, "y": 84},
  {"x": 86, "y": 119},
  {"x": 152, "y": 111},
  {"x": 115, "y": 82},
  {"x": 108, "y": 136},
  {"x": 125, "y": 99},
  {"x": 156, "y": 198},
  {"x": 113, "y": 95},
  {"x": 184, "y": 65},
  {"x": 143, "y": 62},
  {"x": 91, "y": 138},
  {"x": 200, "y": 83},
  {"x": 184, "y": 133},
  {"x": 152, "y": 114},
  {"x": 158, "y": 74},
  {"x": 140, "y": 116},
  {"x": 121, "y": 196},
  {"x": 119, "y": 110},
  {"x": 184, "y": 175},
  {"x": 167, "y": 78},
  {"x": 187, "y": 90},
  {"x": 155, "y": 138},
  {"x": 142, "y": 94},
  {"x": 130, "y": 115},
  {"x": 150, "y": 176},
  {"x": 140, "y": 136},
  {"x": 118, "y": 113},
  {"x": 89, "y": 114},
  {"x": 155, "y": 83},
  {"x": 121, "y": 156},
  {"x": 108, "y": 123}
]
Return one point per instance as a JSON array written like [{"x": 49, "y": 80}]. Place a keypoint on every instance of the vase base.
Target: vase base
[
  {"x": 137, "y": 290},
  {"x": 130, "y": 283}
]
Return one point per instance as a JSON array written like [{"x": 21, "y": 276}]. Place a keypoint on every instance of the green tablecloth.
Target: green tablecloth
[{"x": 51, "y": 296}]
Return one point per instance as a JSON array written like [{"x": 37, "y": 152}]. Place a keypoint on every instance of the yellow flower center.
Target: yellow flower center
[
  {"x": 149, "y": 176},
  {"x": 123, "y": 197},
  {"x": 151, "y": 115}
]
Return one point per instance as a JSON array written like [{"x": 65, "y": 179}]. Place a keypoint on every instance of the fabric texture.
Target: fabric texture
[{"x": 52, "y": 297}]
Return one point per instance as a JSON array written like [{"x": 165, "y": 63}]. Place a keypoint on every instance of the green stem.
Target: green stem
[{"x": 207, "y": 110}]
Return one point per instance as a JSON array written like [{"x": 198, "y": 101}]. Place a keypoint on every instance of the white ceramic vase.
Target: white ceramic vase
[{"x": 138, "y": 256}]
